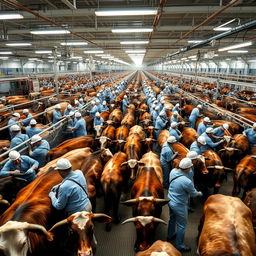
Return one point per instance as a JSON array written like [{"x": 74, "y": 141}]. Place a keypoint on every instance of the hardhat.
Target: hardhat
[
  {"x": 162, "y": 114},
  {"x": 92, "y": 102},
  {"x": 201, "y": 139},
  {"x": 71, "y": 113},
  {"x": 185, "y": 163},
  {"x": 69, "y": 106},
  {"x": 78, "y": 114},
  {"x": 63, "y": 164},
  {"x": 254, "y": 125},
  {"x": 104, "y": 103},
  {"x": 33, "y": 122},
  {"x": 15, "y": 128},
  {"x": 226, "y": 126},
  {"x": 209, "y": 130},
  {"x": 76, "y": 102},
  {"x": 192, "y": 155},
  {"x": 97, "y": 114},
  {"x": 207, "y": 119},
  {"x": 14, "y": 155},
  {"x": 16, "y": 114},
  {"x": 199, "y": 106},
  {"x": 125, "y": 96},
  {"x": 175, "y": 113},
  {"x": 174, "y": 124},
  {"x": 157, "y": 108},
  {"x": 58, "y": 106},
  {"x": 171, "y": 139},
  {"x": 35, "y": 139},
  {"x": 97, "y": 101},
  {"x": 177, "y": 105},
  {"x": 81, "y": 100},
  {"x": 25, "y": 111}
]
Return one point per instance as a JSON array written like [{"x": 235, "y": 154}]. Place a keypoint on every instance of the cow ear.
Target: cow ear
[{"x": 102, "y": 218}]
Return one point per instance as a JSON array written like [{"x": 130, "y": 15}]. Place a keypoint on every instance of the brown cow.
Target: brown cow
[
  {"x": 128, "y": 120},
  {"x": 122, "y": 133},
  {"x": 146, "y": 119},
  {"x": 137, "y": 129},
  {"x": 189, "y": 135},
  {"x": 250, "y": 201},
  {"x": 162, "y": 137},
  {"x": 226, "y": 228},
  {"x": 116, "y": 116},
  {"x": 107, "y": 136}
]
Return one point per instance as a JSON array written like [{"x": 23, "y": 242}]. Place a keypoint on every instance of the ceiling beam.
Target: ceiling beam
[{"x": 68, "y": 4}]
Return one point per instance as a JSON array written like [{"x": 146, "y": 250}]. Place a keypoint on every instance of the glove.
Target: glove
[
  {"x": 51, "y": 194},
  {"x": 199, "y": 194}
]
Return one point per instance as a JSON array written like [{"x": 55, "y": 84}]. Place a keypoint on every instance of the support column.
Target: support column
[{"x": 55, "y": 68}]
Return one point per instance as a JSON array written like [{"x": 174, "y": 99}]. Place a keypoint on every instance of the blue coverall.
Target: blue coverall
[
  {"x": 201, "y": 128},
  {"x": 17, "y": 139},
  {"x": 31, "y": 131},
  {"x": 40, "y": 152},
  {"x": 251, "y": 136},
  {"x": 194, "y": 147},
  {"x": 209, "y": 142},
  {"x": 159, "y": 125},
  {"x": 174, "y": 132},
  {"x": 80, "y": 128},
  {"x": 27, "y": 121},
  {"x": 56, "y": 116},
  {"x": 193, "y": 117}
]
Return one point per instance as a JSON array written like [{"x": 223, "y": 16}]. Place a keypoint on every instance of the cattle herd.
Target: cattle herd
[{"x": 120, "y": 161}]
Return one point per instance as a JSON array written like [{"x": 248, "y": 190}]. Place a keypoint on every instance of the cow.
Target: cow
[
  {"x": 116, "y": 116},
  {"x": 244, "y": 175},
  {"x": 250, "y": 202},
  {"x": 189, "y": 135},
  {"x": 162, "y": 137},
  {"x": 148, "y": 142},
  {"x": 137, "y": 129},
  {"x": 113, "y": 180},
  {"x": 71, "y": 144},
  {"x": 107, "y": 136},
  {"x": 160, "y": 248},
  {"x": 146, "y": 119},
  {"x": 122, "y": 133},
  {"x": 49, "y": 111},
  {"x": 226, "y": 228},
  {"x": 128, "y": 120}
]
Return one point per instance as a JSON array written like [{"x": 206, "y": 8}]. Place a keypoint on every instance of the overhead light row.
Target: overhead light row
[
  {"x": 131, "y": 12},
  {"x": 235, "y": 46}
]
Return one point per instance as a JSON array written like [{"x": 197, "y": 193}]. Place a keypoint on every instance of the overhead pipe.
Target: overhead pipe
[{"x": 68, "y": 4}]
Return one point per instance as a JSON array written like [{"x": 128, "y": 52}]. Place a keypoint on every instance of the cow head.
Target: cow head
[
  {"x": 98, "y": 129},
  {"x": 132, "y": 163},
  {"x": 14, "y": 239},
  {"x": 104, "y": 141},
  {"x": 145, "y": 228},
  {"x": 81, "y": 223},
  {"x": 105, "y": 154},
  {"x": 199, "y": 165},
  {"x": 149, "y": 143}
]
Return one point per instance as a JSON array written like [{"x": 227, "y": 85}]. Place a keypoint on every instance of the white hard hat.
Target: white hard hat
[
  {"x": 71, "y": 113},
  {"x": 201, "y": 139},
  {"x": 199, "y": 106},
  {"x": 76, "y": 102},
  {"x": 177, "y": 105},
  {"x": 171, "y": 139},
  {"x": 157, "y": 108},
  {"x": 15, "y": 128},
  {"x": 104, "y": 103},
  {"x": 207, "y": 119},
  {"x": 16, "y": 114},
  {"x": 175, "y": 113},
  {"x": 58, "y": 106},
  {"x": 209, "y": 130},
  {"x": 125, "y": 96},
  {"x": 155, "y": 102},
  {"x": 81, "y": 100},
  {"x": 192, "y": 155},
  {"x": 63, "y": 164},
  {"x": 35, "y": 139},
  {"x": 92, "y": 102},
  {"x": 25, "y": 111},
  {"x": 254, "y": 125},
  {"x": 97, "y": 114},
  {"x": 185, "y": 163},
  {"x": 78, "y": 114},
  {"x": 97, "y": 101},
  {"x": 33, "y": 122},
  {"x": 226, "y": 126},
  {"x": 14, "y": 155},
  {"x": 69, "y": 106},
  {"x": 161, "y": 114},
  {"x": 174, "y": 124}
]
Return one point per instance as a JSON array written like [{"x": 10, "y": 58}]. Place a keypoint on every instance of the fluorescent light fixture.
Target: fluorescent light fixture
[
  {"x": 10, "y": 16},
  {"x": 222, "y": 29},
  {"x": 134, "y": 42},
  {"x": 32, "y": 59},
  {"x": 5, "y": 53},
  {"x": 192, "y": 57},
  {"x": 50, "y": 57},
  {"x": 4, "y": 58},
  {"x": 136, "y": 54},
  {"x": 18, "y": 44},
  {"x": 126, "y": 12},
  {"x": 50, "y": 32},
  {"x": 235, "y": 46},
  {"x": 94, "y": 51},
  {"x": 132, "y": 30},
  {"x": 102, "y": 55},
  {"x": 76, "y": 57},
  {"x": 194, "y": 41},
  {"x": 50, "y": 60},
  {"x": 43, "y": 52},
  {"x": 74, "y": 43},
  {"x": 136, "y": 51},
  {"x": 237, "y": 51},
  {"x": 184, "y": 58},
  {"x": 216, "y": 55}
]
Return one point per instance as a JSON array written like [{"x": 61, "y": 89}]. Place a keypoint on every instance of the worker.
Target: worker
[
  {"x": 76, "y": 105},
  {"x": 18, "y": 137},
  {"x": 173, "y": 131},
  {"x": 20, "y": 166},
  {"x": 175, "y": 117},
  {"x": 203, "y": 125},
  {"x": 28, "y": 117},
  {"x": 219, "y": 132},
  {"x": 180, "y": 189},
  {"x": 13, "y": 120},
  {"x": 98, "y": 120},
  {"x": 103, "y": 107},
  {"x": 154, "y": 114},
  {"x": 40, "y": 149},
  {"x": 31, "y": 129},
  {"x": 71, "y": 194},
  {"x": 68, "y": 110},
  {"x": 57, "y": 116},
  {"x": 94, "y": 109},
  {"x": 80, "y": 126},
  {"x": 176, "y": 108},
  {"x": 160, "y": 123},
  {"x": 251, "y": 135},
  {"x": 197, "y": 145},
  {"x": 81, "y": 102},
  {"x": 194, "y": 115},
  {"x": 125, "y": 104},
  {"x": 166, "y": 156},
  {"x": 208, "y": 134}
]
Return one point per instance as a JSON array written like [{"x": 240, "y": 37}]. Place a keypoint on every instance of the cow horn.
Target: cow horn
[
  {"x": 221, "y": 150},
  {"x": 159, "y": 200},
  {"x": 58, "y": 224},
  {"x": 33, "y": 227},
  {"x": 160, "y": 221},
  {"x": 124, "y": 163},
  {"x": 215, "y": 167},
  {"x": 128, "y": 220},
  {"x": 106, "y": 219},
  {"x": 3, "y": 201},
  {"x": 228, "y": 169},
  {"x": 129, "y": 202}
]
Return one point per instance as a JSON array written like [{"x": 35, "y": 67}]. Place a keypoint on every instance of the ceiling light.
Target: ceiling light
[
  {"x": 5, "y": 53},
  {"x": 222, "y": 29},
  {"x": 235, "y": 46},
  {"x": 216, "y": 55},
  {"x": 74, "y": 43},
  {"x": 184, "y": 58},
  {"x": 126, "y": 12},
  {"x": 32, "y": 59},
  {"x": 50, "y": 57},
  {"x": 50, "y": 32},
  {"x": 237, "y": 51},
  {"x": 76, "y": 57},
  {"x": 18, "y": 44},
  {"x": 134, "y": 42},
  {"x": 43, "y": 52},
  {"x": 132, "y": 30},
  {"x": 136, "y": 51},
  {"x": 93, "y": 51},
  {"x": 194, "y": 41},
  {"x": 10, "y": 16},
  {"x": 4, "y": 58},
  {"x": 192, "y": 57}
]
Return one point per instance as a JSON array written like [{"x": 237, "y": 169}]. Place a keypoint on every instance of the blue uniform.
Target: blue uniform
[
  {"x": 179, "y": 192},
  {"x": 176, "y": 109},
  {"x": 193, "y": 117},
  {"x": 154, "y": 116},
  {"x": 125, "y": 105},
  {"x": 27, "y": 121},
  {"x": 165, "y": 160},
  {"x": 11, "y": 122},
  {"x": 31, "y": 131},
  {"x": 93, "y": 111},
  {"x": 98, "y": 121},
  {"x": 71, "y": 197},
  {"x": 56, "y": 116},
  {"x": 67, "y": 111},
  {"x": 103, "y": 108},
  {"x": 174, "y": 119},
  {"x": 194, "y": 147},
  {"x": 209, "y": 142},
  {"x": 159, "y": 125},
  {"x": 175, "y": 133},
  {"x": 251, "y": 136},
  {"x": 218, "y": 132},
  {"x": 19, "y": 138},
  {"x": 39, "y": 153},
  {"x": 80, "y": 128},
  {"x": 202, "y": 128},
  {"x": 25, "y": 168}
]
